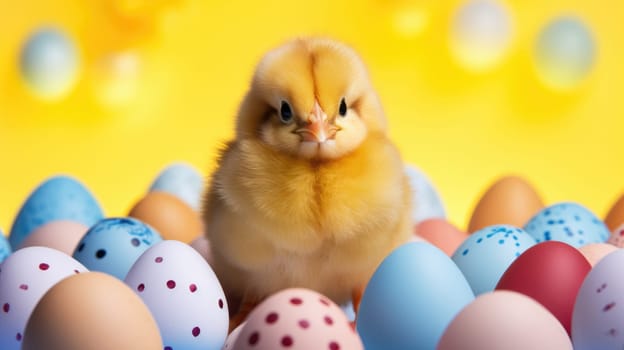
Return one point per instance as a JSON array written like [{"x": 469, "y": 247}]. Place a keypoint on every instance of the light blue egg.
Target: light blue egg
[
  {"x": 49, "y": 63},
  {"x": 5, "y": 247},
  {"x": 427, "y": 202},
  {"x": 412, "y": 297},
  {"x": 567, "y": 222},
  {"x": 565, "y": 52},
  {"x": 182, "y": 181},
  {"x": 486, "y": 254},
  {"x": 57, "y": 198},
  {"x": 112, "y": 245}
]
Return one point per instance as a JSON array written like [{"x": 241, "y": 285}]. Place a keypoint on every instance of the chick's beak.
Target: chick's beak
[{"x": 318, "y": 128}]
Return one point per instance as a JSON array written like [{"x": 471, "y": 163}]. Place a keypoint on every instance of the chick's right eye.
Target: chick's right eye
[{"x": 286, "y": 114}]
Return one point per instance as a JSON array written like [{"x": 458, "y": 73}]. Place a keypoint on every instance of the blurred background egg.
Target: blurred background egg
[
  {"x": 617, "y": 237},
  {"x": 441, "y": 233},
  {"x": 297, "y": 318},
  {"x": 62, "y": 235},
  {"x": 183, "y": 294},
  {"x": 202, "y": 245},
  {"x": 5, "y": 247},
  {"x": 510, "y": 200},
  {"x": 112, "y": 245},
  {"x": 598, "y": 313},
  {"x": 428, "y": 203},
  {"x": 26, "y": 276},
  {"x": 115, "y": 78},
  {"x": 594, "y": 252},
  {"x": 567, "y": 222},
  {"x": 56, "y": 198},
  {"x": 411, "y": 298},
  {"x": 615, "y": 216},
  {"x": 487, "y": 253},
  {"x": 91, "y": 311},
  {"x": 504, "y": 320},
  {"x": 181, "y": 180},
  {"x": 168, "y": 214},
  {"x": 551, "y": 273}
]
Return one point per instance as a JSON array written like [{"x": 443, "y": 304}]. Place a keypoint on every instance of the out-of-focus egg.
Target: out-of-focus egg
[
  {"x": 168, "y": 214},
  {"x": 202, "y": 245},
  {"x": 567, "y": 222},
  {"x": 598, "y": 312},
  {"x": 428, "y": 203},
  {"x": 617, "y": 236},
  {"x": 551, "y": 273},
  {"x": 26, "y": 276},
  {"x": 5, "y": 247},
  {"x": 487, "y": 253},
  {"x": 57, "y": 198},
  {"x": 114, "y": 244},
  {"x": 596, "y": 251},
  {"x": 91, "y": 311},
  {"x": 181, "y": 180},
  {"x": 615, "y": 216},
  {"x": 62, "y": 235},
  {"x": 183, "y": 294},
  {"x": 297, "y": 318},
  {"x": 509, "y": 201},
  {"x": 504, "y": 320},
  {"x": 231, "y": 338},
  {"x": 411, "y": 298},
  {"x": 442, "y": 234}
]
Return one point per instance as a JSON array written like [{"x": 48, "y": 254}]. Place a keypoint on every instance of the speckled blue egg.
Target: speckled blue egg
[
  {"x": 57, "y": 198},
  {"x": 485, "y": 255},
  {"x": 182, "y": 181},
  {"x": 411, "y": 298},
  {"x": 113, "y": 245},
  {"x": 428, "y": 202},
  {"x": 568, "y": 222},
  {"x": 5, "y": 247}
]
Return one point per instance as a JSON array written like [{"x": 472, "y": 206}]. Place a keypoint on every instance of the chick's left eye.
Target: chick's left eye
[
  {"x": 286, "y": 114},
  {"x": 342, "y": 110}
]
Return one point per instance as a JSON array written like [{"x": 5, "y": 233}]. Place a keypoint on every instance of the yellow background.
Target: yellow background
[{"x": 463, "y": 129}]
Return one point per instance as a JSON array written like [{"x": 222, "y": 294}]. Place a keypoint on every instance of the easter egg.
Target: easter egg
[
  {"x": 598, "y": 313},
  {"x": 202, "y": 246},
  {"x": 26, "y": 276},
  {"x": 181, "y": 180},
  {"x": 617, "y": 237},
  {"x": 615, "y": 216},
  {"x": 91, "y": 311},
  {"x": 504, "y": 320},
  {"x": 481, "y": 33},
  {"x": 428, "y": 203},
  {"x": 232, "y": 337},
  {"x": 567, "y": 222},
  {"x": 49, "y": 63},
  {"x": 551, "y": 273},
  {"x": 57, "y": 198},
  {"x": 297, "y": 318},
  {"x": 183, "y": 294},
  {"x": 594, "y": 252},
  {"x": 510, "y": 200},
  {"x": 5, "y": 247},
  {"x": 565, "y": 52},
  {"x": 411, "y": 298},
  {"x": 487, "y": 253},
  {"x": 112, "y": 245},
  {"x": 62, "y": 235},
  {"x": 441, "y": 233},
  {"x": 115, "y": 78}
]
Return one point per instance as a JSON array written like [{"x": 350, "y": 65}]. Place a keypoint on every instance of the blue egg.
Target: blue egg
[
  {"x": 412, "y": 297},
  {"x": 428, "y": 203},
  {"x": 112, "y": 245},
  {"x": 567, "y": 222},
  {"x": 57, "y": 198},
  {"x": 49, "y": 63},
  {"x": 182, "y": 181},
  {"x": 486, "y": 254},
  {"x": 5, "y": 247}
]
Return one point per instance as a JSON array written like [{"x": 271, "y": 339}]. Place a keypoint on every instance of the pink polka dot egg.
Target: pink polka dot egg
[{"x": 299, "y": 319}]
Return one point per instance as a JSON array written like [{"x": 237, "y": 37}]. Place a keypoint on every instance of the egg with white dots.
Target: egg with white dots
[
  {"x": 5, "y": 247},
  {"x": 25, "y": 276},
  {"x": 183, "y": 294},
  {"x": 485, "y": 255},
  {"x": 567, "y": 222},
  {"x": 112, "y": 245}
]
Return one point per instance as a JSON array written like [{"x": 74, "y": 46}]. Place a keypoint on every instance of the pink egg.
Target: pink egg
[
  {"x": 202, "y": 246},
  {"x": 299, "y": 319},
  {"x": 617, "y": 237},
  {"x": 62, "y": 235},
  {"x": 441, "y": 233},
  {"x": 596, "y": 251}
]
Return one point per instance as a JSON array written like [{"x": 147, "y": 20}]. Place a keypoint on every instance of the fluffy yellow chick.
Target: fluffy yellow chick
[{"x": 311, "y": 192}]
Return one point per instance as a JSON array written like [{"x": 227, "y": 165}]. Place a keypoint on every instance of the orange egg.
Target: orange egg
[
  {"x": 441, "y": 233},
  {"x": 510, "y": 200},
  {"x": 169, "y": 215},
  {"x": 615, "y": 216}
]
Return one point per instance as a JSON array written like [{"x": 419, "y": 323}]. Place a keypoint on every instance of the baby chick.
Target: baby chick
[{"x": 311, "y": 192}]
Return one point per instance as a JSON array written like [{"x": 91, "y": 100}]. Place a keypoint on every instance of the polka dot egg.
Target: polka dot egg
[
  {"x": 25, "y": 276},
  {"x": 298, "y": 319},
  {"x": 616, "y": 238},
  {"x": 183, "y": 294}
]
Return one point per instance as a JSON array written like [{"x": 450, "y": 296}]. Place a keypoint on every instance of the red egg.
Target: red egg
[
  {"x": 551, "y": 273},
  {"x": 441, "y": 234}
]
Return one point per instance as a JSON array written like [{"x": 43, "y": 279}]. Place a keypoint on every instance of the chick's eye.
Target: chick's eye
[
  {"x": 342, "y": 110},
  {"x": 286, "y": 114}
]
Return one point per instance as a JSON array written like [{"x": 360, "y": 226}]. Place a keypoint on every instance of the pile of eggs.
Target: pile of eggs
[{"x": 527, "y": 276}]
